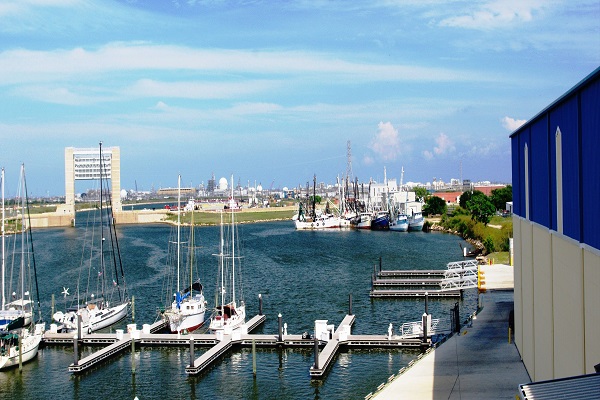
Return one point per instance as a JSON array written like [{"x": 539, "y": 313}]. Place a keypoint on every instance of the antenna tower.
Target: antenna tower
[{"x": 349, "y": 161}]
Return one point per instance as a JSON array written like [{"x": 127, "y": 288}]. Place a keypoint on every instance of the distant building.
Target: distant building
[
  {"x": 556, "y": 220},
  {"x": 173, "y": 192},
  {"x": 449, "y": 197}
]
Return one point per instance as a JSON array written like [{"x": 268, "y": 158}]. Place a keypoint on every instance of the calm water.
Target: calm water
[{"x": 302, "y": 275}]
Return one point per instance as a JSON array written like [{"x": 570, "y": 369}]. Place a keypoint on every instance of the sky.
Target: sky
[{"x": 272, "y": 92}]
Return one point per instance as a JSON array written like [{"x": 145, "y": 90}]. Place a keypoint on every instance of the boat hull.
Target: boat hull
[
  {"x": 188, "y": 317},
  {"x": 416, "y": 223},
  {"x": 92, "y": 319},
  {"x": 319, "y": 223},
  {"x": 228, "y": 322},
  {"x": 29, "y": 344},
  {"x": 380, "y": 223},
  {"x": 399, "y": 226}
]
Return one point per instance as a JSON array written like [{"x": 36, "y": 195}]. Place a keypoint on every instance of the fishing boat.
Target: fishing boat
[
  {"x": 104, "y": 301},
  {"x": 229, "y": 314},
  {"x": 399, "y": 223},
  {"x": 381, "y": 221},
  {"x": 364, "y": 220},
  {"x": 188, "y": 307},
  {"x": 309, "y": 218},
  {"x": 416, "y": 221},
  {"x": 19, "y": 337}
]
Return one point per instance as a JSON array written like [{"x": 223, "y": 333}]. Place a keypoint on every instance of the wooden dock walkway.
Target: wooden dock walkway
[{"x": 413, "y": 293}]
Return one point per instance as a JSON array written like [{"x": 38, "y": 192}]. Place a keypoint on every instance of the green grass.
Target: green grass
[
  {"x": 500, "y": 257},
  {"x": 214, "y": 218}
]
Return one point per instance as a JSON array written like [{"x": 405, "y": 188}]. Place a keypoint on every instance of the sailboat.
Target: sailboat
[
  {"x": 188, "y": 307},
  {"x": 105, "y": 301},
  {"x": 228, "y": 313},
  {"x": 19, "y": 337}
]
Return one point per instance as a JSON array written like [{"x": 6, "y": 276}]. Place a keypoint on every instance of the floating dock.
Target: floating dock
[{"x": 326, "y": 338}]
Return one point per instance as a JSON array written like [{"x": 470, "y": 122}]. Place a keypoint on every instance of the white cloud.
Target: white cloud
[
  {"x": 511, "y": 124},
  {"x": 497, "y": 14},
  {"x": 443, "y": 145},
  {"x": 18, "y": 66},
  {"x": 386, "y": 143}
]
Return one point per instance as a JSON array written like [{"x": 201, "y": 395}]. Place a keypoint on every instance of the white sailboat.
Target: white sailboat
[
  {"x": 228, "y": 313},
  {"x": 106, "y": 303},
  {"x": 19, "y": 338},
  {"x": 188, "y": 307}
]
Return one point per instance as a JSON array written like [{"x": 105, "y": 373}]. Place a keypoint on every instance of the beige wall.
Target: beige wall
[
  {"x": 542, "y": 294},
  {"x": 591, "y": 289},
  {"x": 557, "y": 302}
]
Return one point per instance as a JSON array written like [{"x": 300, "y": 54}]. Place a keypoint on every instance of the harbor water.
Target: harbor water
[{"x": 302, "y": 275}]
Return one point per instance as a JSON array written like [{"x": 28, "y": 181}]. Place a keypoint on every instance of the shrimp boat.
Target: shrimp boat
[
  {"x": 230, "y": 311},
  {"x": 19, "y": 337},
  {"x": 105, "y": 300},
  {"x": 188, "y": 307}
]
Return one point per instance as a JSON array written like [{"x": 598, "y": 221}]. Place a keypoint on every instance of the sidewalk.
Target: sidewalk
[{"x": 478, "y": 363}]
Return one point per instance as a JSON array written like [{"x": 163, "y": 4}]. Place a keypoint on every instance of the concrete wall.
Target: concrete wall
[{"x": 557, "y": 302}]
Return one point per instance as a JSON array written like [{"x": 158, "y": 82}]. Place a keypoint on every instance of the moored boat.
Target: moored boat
[
  {"x": 381, "y": 221},
  {"x": 416, "y": 221},
  {"x": 399, "y": 224}
]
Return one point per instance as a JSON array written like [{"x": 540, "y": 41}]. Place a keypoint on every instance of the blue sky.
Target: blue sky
[{"x": 272, "y": 91}]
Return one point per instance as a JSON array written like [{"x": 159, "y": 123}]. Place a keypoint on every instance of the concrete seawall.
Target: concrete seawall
[{"x": 56, "y": 219}]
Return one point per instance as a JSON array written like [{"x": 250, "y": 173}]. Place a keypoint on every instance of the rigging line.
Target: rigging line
[{"x": 37, "y": 291}]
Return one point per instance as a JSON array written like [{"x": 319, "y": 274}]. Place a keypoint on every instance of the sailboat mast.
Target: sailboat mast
[
  {"x": 37, "y": 289},
  {"x": 178, "y": 227},
  {"x": 3, "y": 261},
  {"x": 191, "y": 249},
  {"x": 101, "y": 223},
  {"x": 23, "y": 223},
  {"x": 222, "y": 260},
  {"x": 232, "y": 246}
]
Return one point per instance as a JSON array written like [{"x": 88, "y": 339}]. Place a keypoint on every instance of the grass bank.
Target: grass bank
[{"x": 243, "y": 216}]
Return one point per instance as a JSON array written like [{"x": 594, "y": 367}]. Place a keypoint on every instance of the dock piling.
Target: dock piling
[
  {"x": 192, "y": 357},
  {"x": 254, "y": 358},
  {"x": 75, "y": 350},
  {"x": 20, "y": 354},
  {"x": 132, "y": 355},
  {"x": 132, "y": 308},
  {"x": 424, "y": 321},
  {"x": 316, "y": 352},
  {"x": 260, "y": 308},
  {"x": 79, "y": 326},
  {"x": 426, "y": 303},
  {"x": 350, "y": 304},
  {"x": 52, "y": 306}
]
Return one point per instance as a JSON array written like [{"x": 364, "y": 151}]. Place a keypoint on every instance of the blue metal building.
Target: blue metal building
[{"x": 556, "y": 225}]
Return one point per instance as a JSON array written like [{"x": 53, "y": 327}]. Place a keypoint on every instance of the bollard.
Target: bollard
[
  {"x": 260, "y": 311},
  {"x": 254, "y": 358},
  {"x": 192, "y": 357},
  {"x": 132, "y": 355},
  {"x": 132, "y": 308},
  {"x": 350, "y": 304},
  {"x": 280, "y": 329},
  {"x": 316, "y": 352}
]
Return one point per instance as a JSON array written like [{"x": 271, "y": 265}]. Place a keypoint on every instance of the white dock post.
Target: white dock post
[
  {"x": 260, "y": 308},
  {"x": 280, "y": 329}
]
